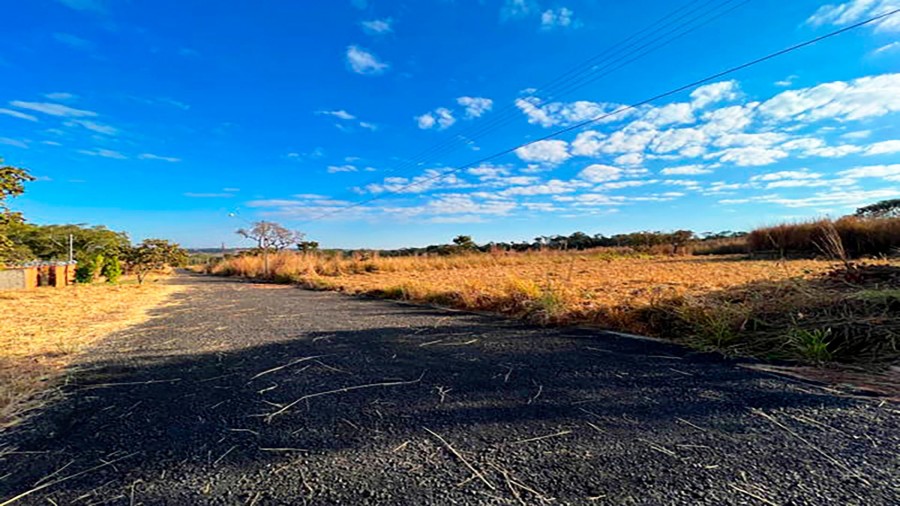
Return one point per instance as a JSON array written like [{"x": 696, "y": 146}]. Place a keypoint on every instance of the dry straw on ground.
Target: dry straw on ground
[{"x": 43, "y": 330}]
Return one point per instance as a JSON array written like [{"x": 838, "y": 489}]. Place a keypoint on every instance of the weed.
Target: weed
[{"x": 811, "y": 344}]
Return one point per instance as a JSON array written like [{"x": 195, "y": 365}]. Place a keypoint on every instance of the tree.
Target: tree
[
  {"x": 153, "y": 255},
  {"x": 12, "y": 184},
  {"x": 111, "y": 270},
  {"x": 883, "y": 209},
  {"x": 680, "y": 238},
  {"x": 268, "y": 236},
  {"x": 464, "y": 243},
  {"x": 308, "y": 246}
]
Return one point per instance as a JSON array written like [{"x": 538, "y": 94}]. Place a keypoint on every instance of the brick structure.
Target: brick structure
[{"x": 19, "y": 278}]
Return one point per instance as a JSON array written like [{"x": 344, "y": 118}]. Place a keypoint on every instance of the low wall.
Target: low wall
[{"x": 18, "y": 279}]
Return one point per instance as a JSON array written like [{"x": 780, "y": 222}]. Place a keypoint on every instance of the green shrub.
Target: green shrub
[
  {"x": 84, "y": 272},
  {"x": 111, "y": 270}
]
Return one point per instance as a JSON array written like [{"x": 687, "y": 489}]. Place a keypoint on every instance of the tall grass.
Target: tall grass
[{"x": 860, "y": 237}]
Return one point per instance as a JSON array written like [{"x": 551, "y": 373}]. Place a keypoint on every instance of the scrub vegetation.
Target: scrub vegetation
[{"x": 825, "y": 292}]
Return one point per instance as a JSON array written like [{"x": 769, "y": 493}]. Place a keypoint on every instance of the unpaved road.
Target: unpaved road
[{"x": 249, "y": 394}]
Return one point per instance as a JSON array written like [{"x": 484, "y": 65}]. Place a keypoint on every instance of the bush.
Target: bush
[
  {"x": 111, "y": 270},
  {"x": 84, "y": 272}
]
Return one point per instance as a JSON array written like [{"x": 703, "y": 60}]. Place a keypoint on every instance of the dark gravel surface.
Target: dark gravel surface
[{"x": 380, "y": 403}]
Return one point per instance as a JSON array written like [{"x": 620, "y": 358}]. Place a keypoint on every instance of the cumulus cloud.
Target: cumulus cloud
[
  {"x": 866, "y": 97},
  {"x": 558, "y": 18},
  {"x": 599, "y": 173},
  {"x": 363, "y": 62},
  {"x": 475, "y": 106},
  {"x": 715, "y": 92},
  {"x": 685, "y": 170},
  {"x": 442, "y": 118},
  {"x": 883, "y": 148},
  {"x": 549, "y": 152},
  {"x": 889, "y": 172},
  {"x": 517, "y": 9},
  {"x": 562, "y": 113}
]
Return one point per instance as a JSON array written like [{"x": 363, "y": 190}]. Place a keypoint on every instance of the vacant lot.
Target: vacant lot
[
  {"x": 809, "y": 309},
  {"x": 44, "y": 329}
]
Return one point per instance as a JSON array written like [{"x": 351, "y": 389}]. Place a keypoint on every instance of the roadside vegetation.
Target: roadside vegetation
[
  {"x": 44, "y": 329},
  {"x": 817, "y": 292}
]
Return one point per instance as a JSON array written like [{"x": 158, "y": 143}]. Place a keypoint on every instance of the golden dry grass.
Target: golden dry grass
[
  {"x": 589, "y": 286},
  {"x": 43, "y": 330},
  {"x": 766, "y": 308}
]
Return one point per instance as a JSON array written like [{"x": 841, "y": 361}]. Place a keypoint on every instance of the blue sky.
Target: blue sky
[{"x": 163, "y": 118}]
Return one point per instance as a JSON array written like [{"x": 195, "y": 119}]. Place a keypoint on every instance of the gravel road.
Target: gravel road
[{"x": 258, "y": 394}]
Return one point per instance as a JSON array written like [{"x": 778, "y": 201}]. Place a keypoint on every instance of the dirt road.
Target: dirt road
[{"x": 250, "y": 394}]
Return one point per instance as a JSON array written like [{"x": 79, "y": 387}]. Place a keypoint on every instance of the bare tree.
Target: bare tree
[{"x": 271, "y": 236}]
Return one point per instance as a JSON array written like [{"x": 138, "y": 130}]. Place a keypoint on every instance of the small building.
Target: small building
[{"x": 35, "y": 274}]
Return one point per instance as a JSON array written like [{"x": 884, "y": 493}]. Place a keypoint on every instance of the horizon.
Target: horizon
[{"x": 137, "y": 118}]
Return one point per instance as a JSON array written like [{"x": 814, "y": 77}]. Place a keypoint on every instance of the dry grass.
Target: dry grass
[
  {"x": 859, "y": 236},
  {"x": 43, "y": 330},
  {"x": 782, "y": 309}
]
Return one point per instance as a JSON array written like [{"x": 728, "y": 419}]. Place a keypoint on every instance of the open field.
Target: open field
[
  {"x": 43, "y": 330},
  {"x": 777, "y": 309}
]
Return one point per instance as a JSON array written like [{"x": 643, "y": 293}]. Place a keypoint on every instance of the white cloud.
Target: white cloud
[
  {"x": 52, "y": 109},
  {"x": 104, "y": 153},
  {"x": 362, "y": 61},
  {"x": 893, "y": 46},
  {"x": 686, "y": 170},
  {"x": 13, "y": 142},
  {"x": 559, "y": 18},
  {"x": 561, "y": 113},
  {"x": 332, "y": 169},
  {"x": 93, "y": 126},
  {"x": 599, "y": 173},
  {"x": 551, "y": 187},
  {"x": 630, "y": 159},
  {"x": 170, "y": 159},
  {"x": 715, "y": 92},
  {"x": 17, "y": 114},
  {"x": 377, "y": 26},
  {"x": 889, "y": 172},
  {"x": 854, "y": 11},
  {"x": 550, "y": 152},
  {"x": 750, "y": 156},
  {"x": 59, "y": 95},
  {"x": 475, "y": 106},
  {"x": 883, "y": 148},
  {"x": 786, "y": 174},
  {"x": 341, "y": 114},
  {"x": 441, "y": 117},
  {"x": 677, "y": 139},
  {"x": 677, "y": 113},
  {"x": 516, "y": 9},
  {"x": 861, "y": 98}
]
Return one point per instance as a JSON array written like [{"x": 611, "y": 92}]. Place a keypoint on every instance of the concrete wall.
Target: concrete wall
[{"x": 18, "y": 279}]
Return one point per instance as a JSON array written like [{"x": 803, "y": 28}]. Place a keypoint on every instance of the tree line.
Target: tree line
[{"x": 97, "y": 250}]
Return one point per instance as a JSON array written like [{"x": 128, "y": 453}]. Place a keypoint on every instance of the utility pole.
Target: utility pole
[{"x": 71, "y": 248}]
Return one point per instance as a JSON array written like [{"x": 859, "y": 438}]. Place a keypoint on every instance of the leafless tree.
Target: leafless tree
[{"x": 271, "y": 236}]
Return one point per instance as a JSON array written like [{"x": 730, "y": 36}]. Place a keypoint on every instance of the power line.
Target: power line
[
  {"x": 579, "y": 72},
  {"x": 584, "y": 123}
]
